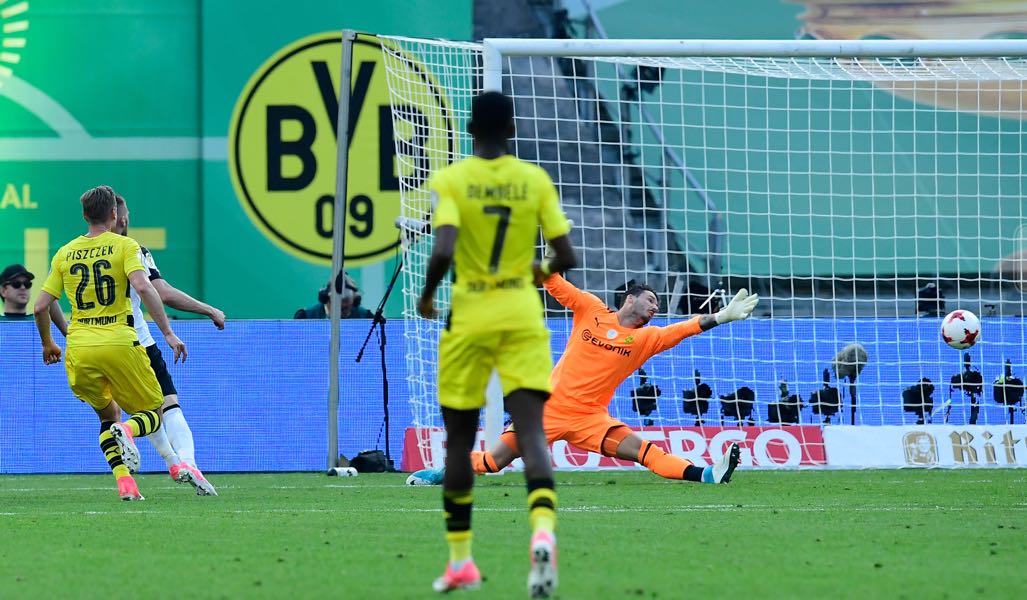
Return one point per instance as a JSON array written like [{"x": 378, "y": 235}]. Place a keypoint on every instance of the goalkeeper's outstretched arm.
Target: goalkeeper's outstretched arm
[
  {"x": 740, "y": 307},
  {"x": 561, "y": 259},
  {"x": 570, "y": 296}
]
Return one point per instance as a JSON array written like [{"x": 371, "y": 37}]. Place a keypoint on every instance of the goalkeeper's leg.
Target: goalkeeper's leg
[
  {"x": 491, "y": 461},
  {"x": 501, "y": 455},
  {"x": 627, "y": 445}
]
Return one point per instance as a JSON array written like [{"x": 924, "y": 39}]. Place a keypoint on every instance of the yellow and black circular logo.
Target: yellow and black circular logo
[{"x": 283, "y": 147}]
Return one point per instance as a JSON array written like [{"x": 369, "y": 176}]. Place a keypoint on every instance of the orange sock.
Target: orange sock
[
  {"x": 666, "y": 465},
  {"x": 482, "y": 462}
]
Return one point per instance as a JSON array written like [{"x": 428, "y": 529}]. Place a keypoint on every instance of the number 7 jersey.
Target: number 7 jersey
[
  {"x": 94, "y": 273},
  {"x": 498, "y": 206}
]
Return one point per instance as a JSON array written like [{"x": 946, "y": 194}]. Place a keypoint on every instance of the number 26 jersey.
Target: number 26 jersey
[{"x": 93, "y": 272}]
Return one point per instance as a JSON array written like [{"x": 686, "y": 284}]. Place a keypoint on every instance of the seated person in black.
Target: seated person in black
[{"x": 349, "y": 303}]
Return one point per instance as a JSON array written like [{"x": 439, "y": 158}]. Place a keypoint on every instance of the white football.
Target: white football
[{"x": 960, "y": 329}]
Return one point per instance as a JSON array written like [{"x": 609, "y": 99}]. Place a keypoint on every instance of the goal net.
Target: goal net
[{"x": 863, "y": 195}]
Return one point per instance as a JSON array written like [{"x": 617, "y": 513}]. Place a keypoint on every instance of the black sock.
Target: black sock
[{"x": 693, "y": 473}]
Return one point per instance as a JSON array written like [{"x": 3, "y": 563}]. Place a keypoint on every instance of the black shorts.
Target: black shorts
[{"x": 160, "y": 369}]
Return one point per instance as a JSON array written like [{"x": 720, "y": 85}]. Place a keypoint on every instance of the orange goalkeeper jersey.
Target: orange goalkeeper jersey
[{"x": 600, "y": 353}]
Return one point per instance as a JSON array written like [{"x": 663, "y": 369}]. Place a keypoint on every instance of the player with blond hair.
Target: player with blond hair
[
  {"x": 106, "y": 365},
  {"x": 174, "y": 439}
]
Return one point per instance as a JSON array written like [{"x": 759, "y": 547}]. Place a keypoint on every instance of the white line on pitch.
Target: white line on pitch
[{"x": 574, "y": 509}]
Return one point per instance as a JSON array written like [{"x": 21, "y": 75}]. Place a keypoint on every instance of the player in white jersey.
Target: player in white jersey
[{"x": 174, "y": 440}]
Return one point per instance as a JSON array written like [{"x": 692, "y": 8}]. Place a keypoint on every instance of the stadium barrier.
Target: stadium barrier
[
  {"x": 931, "y": 446},
  {"x": 762, "y": 447},
  {"x": 255, "y": 397},
  {"x": 833, "y": 446}
]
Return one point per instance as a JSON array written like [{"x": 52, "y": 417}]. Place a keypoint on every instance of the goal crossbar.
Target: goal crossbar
[
  {"x": 760, "y": 48},
  {"x": 494, "y": 50}
]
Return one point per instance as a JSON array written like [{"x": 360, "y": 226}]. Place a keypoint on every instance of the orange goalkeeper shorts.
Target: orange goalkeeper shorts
[{"x": 584, "y": 430}]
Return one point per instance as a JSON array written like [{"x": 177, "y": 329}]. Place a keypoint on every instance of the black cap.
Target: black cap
[{"x": 13, "y": 271}]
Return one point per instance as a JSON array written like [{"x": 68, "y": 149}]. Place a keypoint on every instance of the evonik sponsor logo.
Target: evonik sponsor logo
[{"x": 587, "y": 336}]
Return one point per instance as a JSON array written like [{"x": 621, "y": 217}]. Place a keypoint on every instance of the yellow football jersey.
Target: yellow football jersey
[
  {"x": 94, "y": 273},
  {"x": 498, "y": 206}
]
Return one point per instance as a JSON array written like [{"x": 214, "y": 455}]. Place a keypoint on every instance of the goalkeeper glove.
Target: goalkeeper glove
[{"x": 739, "y": 308}]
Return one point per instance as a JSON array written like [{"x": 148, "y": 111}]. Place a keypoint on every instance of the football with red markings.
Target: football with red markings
[{"x": 961, "y": 329}]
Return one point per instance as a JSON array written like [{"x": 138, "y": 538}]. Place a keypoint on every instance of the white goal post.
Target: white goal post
[{"x": 839, "y": 179}]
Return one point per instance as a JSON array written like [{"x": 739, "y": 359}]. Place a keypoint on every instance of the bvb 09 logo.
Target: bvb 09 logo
[{"x": 282, "y": 147}]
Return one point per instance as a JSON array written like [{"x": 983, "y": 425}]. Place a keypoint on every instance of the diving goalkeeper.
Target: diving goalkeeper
[{"x": 604, "y": 348}]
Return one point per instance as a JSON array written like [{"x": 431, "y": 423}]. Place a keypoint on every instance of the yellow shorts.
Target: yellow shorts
[
  {"x": 98, "y": 373},
  {"x": 466, "y": 360}
]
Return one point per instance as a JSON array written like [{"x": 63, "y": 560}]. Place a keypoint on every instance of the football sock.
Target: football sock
[
  {"x": 160, "y": 442},
  {"x": 179, "y": 434},
  {"x": 482, "y": 462},
  {"x": 542, "y": 504},
  {"x": 457, "y": 505},
  {"x": 111, "y": 451},
  {"x": 694, "y": 473},
  {"x": 144, "y": 422},
  {"x": 666, "y": 465}
]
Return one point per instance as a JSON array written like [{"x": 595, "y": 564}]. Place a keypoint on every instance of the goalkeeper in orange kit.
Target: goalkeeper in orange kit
[{"x": 604, "y": 348}]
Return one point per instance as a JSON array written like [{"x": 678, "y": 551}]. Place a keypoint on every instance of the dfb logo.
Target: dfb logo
[{"x": 283, "y": 147}]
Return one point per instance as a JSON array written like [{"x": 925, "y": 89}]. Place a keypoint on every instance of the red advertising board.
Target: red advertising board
[{"x": 762, "y": 447}]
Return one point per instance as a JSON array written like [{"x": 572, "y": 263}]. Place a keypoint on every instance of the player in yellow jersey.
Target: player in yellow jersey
[
  {"x": 105, "y": 362},
  {"x": 174, "y": 439},
  {"x": 486, "y": 217}
]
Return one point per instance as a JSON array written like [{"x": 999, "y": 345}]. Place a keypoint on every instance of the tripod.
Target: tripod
[{"x": 378, "y": 322}]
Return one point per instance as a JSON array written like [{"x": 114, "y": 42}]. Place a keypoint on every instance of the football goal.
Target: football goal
[{"x": 863, "y": 188}]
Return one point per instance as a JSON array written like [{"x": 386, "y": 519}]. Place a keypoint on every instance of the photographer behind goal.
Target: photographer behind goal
[{"x": 349, "y": 303}]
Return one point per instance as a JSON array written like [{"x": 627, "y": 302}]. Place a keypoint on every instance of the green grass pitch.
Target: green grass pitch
[{"x": 808, "y": 534}]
